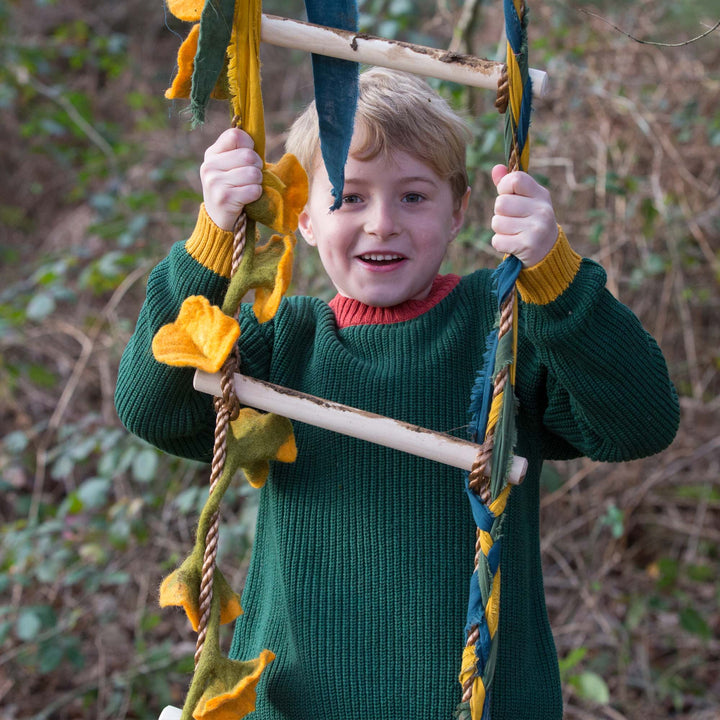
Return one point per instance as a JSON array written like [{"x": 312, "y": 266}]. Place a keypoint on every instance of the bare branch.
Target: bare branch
[{"x": 650, "y": 42}]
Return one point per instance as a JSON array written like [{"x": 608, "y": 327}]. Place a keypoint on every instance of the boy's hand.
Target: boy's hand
[
  {"x": 231, "y": 177},
  {"x": 524, "y": 221}
]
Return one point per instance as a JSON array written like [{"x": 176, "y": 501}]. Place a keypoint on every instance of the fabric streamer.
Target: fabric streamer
[
  {"x": 493, "y": 408},
  {"x": 517, "y": 120},
  {"x": 220, "y": 58},
  {"x": 336, "y": 91}
]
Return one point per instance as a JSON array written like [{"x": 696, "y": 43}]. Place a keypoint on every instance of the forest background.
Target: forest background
[{"x": 99, "y": 176}]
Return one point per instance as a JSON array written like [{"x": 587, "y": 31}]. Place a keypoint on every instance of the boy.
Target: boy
[{"x": 362, "y": 557}]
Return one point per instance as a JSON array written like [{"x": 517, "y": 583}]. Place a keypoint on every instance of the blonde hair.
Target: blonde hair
[{"x": 396, "y": 111}]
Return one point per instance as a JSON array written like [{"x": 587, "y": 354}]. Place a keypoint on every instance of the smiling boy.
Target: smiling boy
[{"x": 362, "y": 555}]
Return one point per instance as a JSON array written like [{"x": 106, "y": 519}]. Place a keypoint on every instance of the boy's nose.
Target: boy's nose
[{"x": 381, "y": 221}]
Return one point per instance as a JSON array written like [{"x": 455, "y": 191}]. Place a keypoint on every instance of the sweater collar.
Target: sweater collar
[{"x": 349, "y": 311}]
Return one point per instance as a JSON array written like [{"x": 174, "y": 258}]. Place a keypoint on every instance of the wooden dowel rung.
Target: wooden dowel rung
[
  {"x": 353, "y": 422},
  {"x": 170, "y": 713},
  {"x": 370, "y": 50}
]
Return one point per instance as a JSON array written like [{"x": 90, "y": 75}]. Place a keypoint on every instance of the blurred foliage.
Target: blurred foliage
[{"x": 100, "y": 177}]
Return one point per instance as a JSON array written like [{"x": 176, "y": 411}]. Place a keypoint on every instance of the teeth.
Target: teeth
[{"x": 378, "y": 258}]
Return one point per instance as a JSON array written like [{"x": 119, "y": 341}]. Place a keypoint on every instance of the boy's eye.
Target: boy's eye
[
  {"x": 413, "y": 198},
  {"x": 351, "y": 199}
]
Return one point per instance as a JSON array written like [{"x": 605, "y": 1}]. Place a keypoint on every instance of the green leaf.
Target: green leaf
[
  {"x": 93, "y": 492},
  {"x": 692, "y": 621},
  {"x": 15, "y": 442},
  {"x": 28, "y": 625},
  {"x": 50, "y": 658},
  {"x": 40, "y": 307},
  {"x": 572, "y": 659},
  {"x": 144, "y": 465},
  {"x": 590, "y": 686}
]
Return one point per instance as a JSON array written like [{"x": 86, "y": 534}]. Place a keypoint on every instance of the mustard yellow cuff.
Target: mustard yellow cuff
[
  {"x": 210, "y": 245},
  {"x": 542, "y": 283}
]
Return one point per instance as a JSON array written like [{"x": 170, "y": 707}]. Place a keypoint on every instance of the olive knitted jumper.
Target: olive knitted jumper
[{"x": 362, "y": 557}]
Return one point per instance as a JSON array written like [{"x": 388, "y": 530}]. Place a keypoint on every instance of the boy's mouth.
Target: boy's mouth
[{"x": 380, "y": 259}]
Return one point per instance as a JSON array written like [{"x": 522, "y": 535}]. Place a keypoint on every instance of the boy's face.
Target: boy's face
[{"x": 387, "y": 241}]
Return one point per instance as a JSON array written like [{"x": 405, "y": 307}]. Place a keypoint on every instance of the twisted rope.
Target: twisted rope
[
  {"x": 478, "y": 666},
  {"x": 227, "y": 408}
]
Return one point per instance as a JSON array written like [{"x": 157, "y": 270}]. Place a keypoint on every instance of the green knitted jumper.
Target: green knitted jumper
[{"x": 362, "y": 557}]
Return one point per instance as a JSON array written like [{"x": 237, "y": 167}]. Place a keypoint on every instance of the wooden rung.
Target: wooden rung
[
  {"x": 170, "y": 713},
  {"x": 362, "y": 48},
  {"x": 353, "y": 422}
]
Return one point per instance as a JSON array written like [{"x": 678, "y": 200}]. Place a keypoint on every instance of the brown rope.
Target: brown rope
[
  {"x": 227, "y": 408},
  {"x": 503, "y": 92}
]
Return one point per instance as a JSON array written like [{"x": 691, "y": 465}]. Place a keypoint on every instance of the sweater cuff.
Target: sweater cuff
[
  {"x": 210, "y": 245},
  {"x": 546, "y": 281}
]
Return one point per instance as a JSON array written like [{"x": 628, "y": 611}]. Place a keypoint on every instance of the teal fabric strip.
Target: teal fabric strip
[
  {"x": 505, "y": 440},
  {"x": 336, "y": 91},
  {"x": 216, "y": 23}
]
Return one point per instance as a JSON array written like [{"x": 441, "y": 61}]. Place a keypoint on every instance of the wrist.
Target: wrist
[
  {"x": 210, "y": 245},
  {"x": 540, "y": 284},
  {"x": 221, "y": 218}
]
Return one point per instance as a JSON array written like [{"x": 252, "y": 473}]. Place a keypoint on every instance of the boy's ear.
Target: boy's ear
[
  {"x": 305, "y": 227},
  {"x": 458, "y": 217}
]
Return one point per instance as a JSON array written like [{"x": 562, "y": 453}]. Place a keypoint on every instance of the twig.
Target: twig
[
  {"x": 649, "y": 42},
  {"x": 463, "y": 30},
  {"x": 87, "y": 343},
  {"x": 177, "y": 652},
  {"x": 23, "y": 77},
  {"x": 588, "y": 467}
]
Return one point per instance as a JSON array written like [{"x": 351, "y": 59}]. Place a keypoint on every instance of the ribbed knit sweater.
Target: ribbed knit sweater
[{"x": 362, "y": 557}]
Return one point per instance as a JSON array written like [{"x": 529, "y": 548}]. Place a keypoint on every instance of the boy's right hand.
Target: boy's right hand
[{"x": 231, "y": 177}]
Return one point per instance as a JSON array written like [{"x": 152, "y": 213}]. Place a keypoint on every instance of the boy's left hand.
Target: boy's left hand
[{"x": 524, "y": 221}]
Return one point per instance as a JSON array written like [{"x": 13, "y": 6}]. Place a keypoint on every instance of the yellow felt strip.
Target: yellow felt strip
[
  {"x": 477, "y": 702},
  {"x": 515, "y": 79},
  {"x": 201, "y": 337},
  {"x": 187, "y": 10},
  {"x": 492, "y": 608},
  {"x": 467, "y": 668},
  {"x": 494, "y": 413},
  {"x": 244, "y": 72},
  {"x": 469, "y": 664},
  {"x": 486, "y": 541},
  {"x": 546, "y": 281},
  {"x": 497, "y": 506}
]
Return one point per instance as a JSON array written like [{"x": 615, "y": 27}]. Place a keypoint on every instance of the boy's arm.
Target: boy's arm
[
  {"x": 608, "y": 393},
  {"x": 155, "y": 401}
]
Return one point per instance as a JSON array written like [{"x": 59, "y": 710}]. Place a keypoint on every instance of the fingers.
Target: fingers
[
  {"x": 524, "y": 220},
  {"x": 520, "y": 183},
  {"x": 498, "y": 173},
  {"x": 231, "y": 176}
]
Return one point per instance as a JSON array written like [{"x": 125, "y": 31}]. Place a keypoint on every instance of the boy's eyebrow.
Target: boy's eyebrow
[{"x": 408, "y": 179}]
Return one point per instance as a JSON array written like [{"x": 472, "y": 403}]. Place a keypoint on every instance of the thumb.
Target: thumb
[{"x": 498, "y": 173}]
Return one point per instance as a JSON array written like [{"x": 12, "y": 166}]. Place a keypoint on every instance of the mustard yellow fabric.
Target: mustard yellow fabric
[
  {"x": 182, "y": 588},
  {"x": 478, "y": 688},
  {"x": 546, "y": 281},
  {"x": 285, "y": 192},
  {"x": 492, "y": 608},
  {"x": 256, "y": 439},
  {"x": 201, "y": 337},
  {"x": 210, "y": 245},
  {"x": 229, "y": 687},
  {"x": 244, "y": 71},
  {"x": 186, "y": 10},
  {"x": 273, "y": 272}
]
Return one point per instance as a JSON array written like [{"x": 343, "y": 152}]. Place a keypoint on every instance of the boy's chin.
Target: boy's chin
[{"x": 388, "y": 298}]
